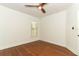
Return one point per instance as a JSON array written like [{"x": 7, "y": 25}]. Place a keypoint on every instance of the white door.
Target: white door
[
  {"x": 78, "y": 31},
  {"x": 72, "y": 38}
]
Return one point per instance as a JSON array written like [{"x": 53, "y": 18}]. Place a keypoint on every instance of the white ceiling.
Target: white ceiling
[{"x": 50, "y": 8}]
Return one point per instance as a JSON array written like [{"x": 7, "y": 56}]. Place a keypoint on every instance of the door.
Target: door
[{"x": 78, "y": 31}]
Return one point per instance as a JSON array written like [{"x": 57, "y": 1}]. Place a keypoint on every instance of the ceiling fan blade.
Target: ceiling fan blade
[
  {"x": 42, "y": 4},
  {"x": 31, "y": 5},
  {"x": 43, "y": 10}
]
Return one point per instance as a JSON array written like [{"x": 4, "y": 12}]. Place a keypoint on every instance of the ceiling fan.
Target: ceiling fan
[{"x": 40, "y": 6}]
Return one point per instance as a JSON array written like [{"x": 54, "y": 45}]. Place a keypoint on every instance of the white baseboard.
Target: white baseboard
[
  {"x": 74, "y": 51},
  {"x": 15, "y": 44},
  {"x": 54, "y": 43}
]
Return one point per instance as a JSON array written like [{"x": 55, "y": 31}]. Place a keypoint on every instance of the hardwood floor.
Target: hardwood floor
[{"x": 37, "y": 48}]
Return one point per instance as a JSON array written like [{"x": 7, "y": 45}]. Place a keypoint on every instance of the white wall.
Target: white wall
[
  {"x": 15, "y": 28},
  {"x": 53, "y": 28}
]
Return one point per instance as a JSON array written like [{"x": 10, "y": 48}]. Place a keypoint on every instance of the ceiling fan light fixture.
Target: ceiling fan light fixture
[{"x": 40, "y": 7}]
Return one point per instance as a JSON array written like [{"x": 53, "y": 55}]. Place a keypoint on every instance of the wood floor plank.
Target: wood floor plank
[
  {"x": 22, "y": 51},
  {"x": 37, "y": 48}
]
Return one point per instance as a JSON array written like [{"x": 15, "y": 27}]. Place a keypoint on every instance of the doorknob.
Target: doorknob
[{"x": 78, "y": 35}]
